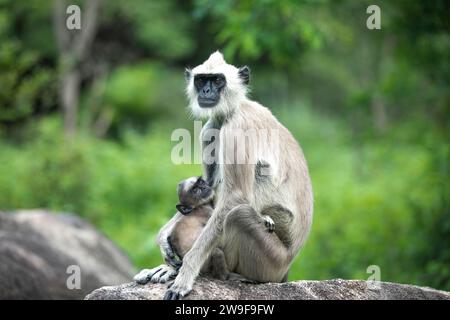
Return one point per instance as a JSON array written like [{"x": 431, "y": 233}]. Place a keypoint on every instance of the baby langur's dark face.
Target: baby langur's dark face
[{"x": 193, "y": 192}]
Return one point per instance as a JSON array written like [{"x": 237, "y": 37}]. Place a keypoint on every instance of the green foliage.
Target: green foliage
[
  {"x": 144, "y": 91},
  {"x": 273, "y": 28},
  {"x": 23, "y": 83},
  {"x": 37, "y": 177},
  {"x": 153, "y": 30},
  {"x": 377, "y": 203}
]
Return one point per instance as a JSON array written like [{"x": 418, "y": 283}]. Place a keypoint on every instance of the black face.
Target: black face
[
  {"x": 196, "y": 194},
  {"x": 200, "y": 190},
  {"x": 209, "y": 86}
]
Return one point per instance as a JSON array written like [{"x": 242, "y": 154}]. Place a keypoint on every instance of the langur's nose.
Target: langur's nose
[{"x": 206, "y": 90}]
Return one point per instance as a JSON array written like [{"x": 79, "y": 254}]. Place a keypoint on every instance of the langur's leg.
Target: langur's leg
[
  {"x": 237, "y": 277},
  {"x": 216, "y": 265},
  {"x": 217, "y": 268},
  {"x": 250, "y": 249}
]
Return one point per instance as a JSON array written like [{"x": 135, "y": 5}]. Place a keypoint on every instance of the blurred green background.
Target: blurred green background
[{"x": 86, "y": 118}]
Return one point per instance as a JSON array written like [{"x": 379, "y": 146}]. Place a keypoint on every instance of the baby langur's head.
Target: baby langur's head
[{"x": 193, "y": 192}]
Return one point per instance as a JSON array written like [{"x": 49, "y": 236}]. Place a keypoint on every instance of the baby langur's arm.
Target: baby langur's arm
[
  {"x": 164, "y": 272},
  {"x": 167, "y": 251}
]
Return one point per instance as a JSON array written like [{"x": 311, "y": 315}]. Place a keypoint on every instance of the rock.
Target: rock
[
  {"x": 209, "y": 289},
  {"x": 37, "y": 247}
]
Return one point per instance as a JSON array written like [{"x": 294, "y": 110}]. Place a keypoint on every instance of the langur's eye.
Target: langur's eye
[
  {"x": 218, "y": 81},
  {"x": 198, "y": 82}
]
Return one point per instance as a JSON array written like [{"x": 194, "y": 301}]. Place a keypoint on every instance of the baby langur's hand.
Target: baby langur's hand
[
  {"x": 269, "y": 223},
  {"x": 169, "y": 255},
  {"x": 173, "y": 261}
]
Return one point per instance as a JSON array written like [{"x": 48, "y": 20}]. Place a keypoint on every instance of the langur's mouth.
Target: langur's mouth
[{"x": 207, "y": 103}]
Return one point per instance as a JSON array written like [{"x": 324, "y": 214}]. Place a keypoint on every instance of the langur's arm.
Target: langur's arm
[
  {"x": 235, "y": 192},
  {"x": 164, "y": 244}
]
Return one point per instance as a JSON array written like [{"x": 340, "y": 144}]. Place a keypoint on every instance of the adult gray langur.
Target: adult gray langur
[{"x": 264, "y": 202}]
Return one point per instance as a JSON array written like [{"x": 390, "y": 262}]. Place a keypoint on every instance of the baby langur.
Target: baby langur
[
  {"x": 196, "y": 206},
  {"x": 178, "y": 236}
]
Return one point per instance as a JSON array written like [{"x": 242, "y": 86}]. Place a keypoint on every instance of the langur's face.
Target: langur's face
[
  {"x": 216, "y": 88},
  {"x": 209, "y": 87},
  {"x": 193, "y": 192}
]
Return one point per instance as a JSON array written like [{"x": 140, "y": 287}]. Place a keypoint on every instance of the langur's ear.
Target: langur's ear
[
  {"x": 187, "y": 74},
  {"x": 183, "y": 209},
  {"x": 244, "y": 74}
]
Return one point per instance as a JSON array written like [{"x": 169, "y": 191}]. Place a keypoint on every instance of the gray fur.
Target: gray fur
[{"x": 244, "y": 193}]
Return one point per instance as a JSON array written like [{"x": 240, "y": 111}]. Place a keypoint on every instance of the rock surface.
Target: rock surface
[
  {"x": 37, "y": 247},
  {"x": 337, "y": 289}
]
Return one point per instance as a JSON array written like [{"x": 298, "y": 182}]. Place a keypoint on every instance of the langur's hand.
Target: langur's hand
[
  {"x": 160, "y": 274},
  {"x": 169, "y": 256},
  {"x": 177, "y": 291}
]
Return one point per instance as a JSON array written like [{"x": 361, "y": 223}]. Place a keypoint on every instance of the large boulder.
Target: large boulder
[
  {"x": 37, "y": 249},
  {"x": 208, "y": 289}
]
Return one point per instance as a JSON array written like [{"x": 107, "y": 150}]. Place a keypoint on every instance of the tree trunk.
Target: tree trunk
[
  {"x": 73, "y": 47},
  {"x": 378, "y": 105},
  {"x": 69, "y": 97},
  {"x": 379, "y": 113}
]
